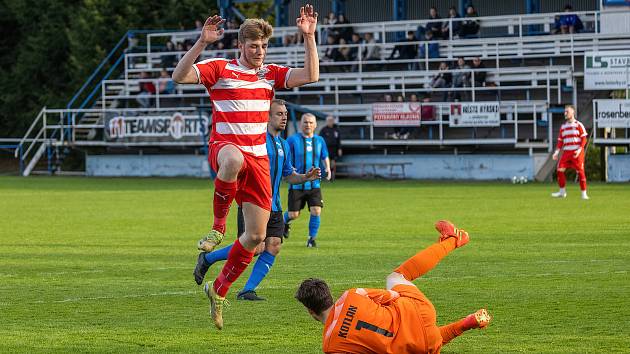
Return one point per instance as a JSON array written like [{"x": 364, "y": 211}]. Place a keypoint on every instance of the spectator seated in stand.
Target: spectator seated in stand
[
  {"x": 460, "y": 78},
  {"x": 406, "y": 51},
  {"x": 479, "y": 75},
  {"x": 345, "y": 32},
  {"x": 432, "y": 46},
  {"x": 169, "y": 61},
  {"x": 443, "y": 79},
  {"x": 470, "y": 25},
  {"x": 455, "y": 23},
  {"x": 331, "y": 53},
  {"x": 435, "y": 25},
  {"x": 147, "y": 89},
  {"x": 357, "y": 44},
  {"x": 372, "y": 50},
  {"x": 570, "y": 23},
  {"x": 166, "y": 84}
]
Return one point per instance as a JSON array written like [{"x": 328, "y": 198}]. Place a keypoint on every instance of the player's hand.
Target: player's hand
[
  {"x": 313, "y": 174},
  {"x": 555, "y": 155},
  {"x": 577, "y": 152},
  {"x": 328, "y": 175},
  {"x": 307, "y": 21},
  {"x": 211, "y": 32}
]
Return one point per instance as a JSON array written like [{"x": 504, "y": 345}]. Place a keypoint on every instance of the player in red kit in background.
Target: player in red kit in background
[
  {"x": 572, "y": 142},
  {"x": 241, "y": 91}
]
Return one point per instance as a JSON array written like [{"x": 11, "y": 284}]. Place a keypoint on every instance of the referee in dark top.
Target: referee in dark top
[{"x": 332, "y": 137}]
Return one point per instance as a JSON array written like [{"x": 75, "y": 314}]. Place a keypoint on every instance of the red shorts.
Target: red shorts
[
  {"x": 253, "y": 181},
  {"x": 568, "y": 161}
]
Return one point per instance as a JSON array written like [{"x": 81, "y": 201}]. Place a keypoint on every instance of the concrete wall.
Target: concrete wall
[
  {"x": 147, "y": 165},
  {"x": 465, "y": 167},
  {"x": 618, "y": 168}
]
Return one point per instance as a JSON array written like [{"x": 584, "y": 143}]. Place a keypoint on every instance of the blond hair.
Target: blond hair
[
  {"x": 570, "y": 106},
  {"x": 254, "y": 29}
]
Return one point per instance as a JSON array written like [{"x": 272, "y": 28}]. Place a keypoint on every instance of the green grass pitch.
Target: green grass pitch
[{"x": 104, "y": 265}]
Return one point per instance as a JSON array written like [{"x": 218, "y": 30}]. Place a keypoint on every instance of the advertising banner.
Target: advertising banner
[
  {"x": 156, "y": 128},
  {"x": 475, "y": 114},
  {"x": 612, "y": 113},
  {"x": 606, "y": 70},
  {"x": 396, "y": 114}
]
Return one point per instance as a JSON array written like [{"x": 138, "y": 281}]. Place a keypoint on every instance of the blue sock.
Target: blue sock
[
  {"x": 261, "y": 268},
  {"x": 218, "y": 255},
  {"x": 286, "y": 217},
  {"x": 313, "y": 226}
]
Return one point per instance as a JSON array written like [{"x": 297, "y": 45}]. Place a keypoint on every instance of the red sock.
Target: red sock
[
  {"x": 238, "y": 260},
  {"x": 562, "y": 179},
  {"x": 224, "y": 193},
  {"x": 582, "y": 177}
]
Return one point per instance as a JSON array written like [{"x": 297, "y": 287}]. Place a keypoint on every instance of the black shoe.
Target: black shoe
[
  {"x": 311, "y": 243},
  {"x": 249, "y": 295},
  {"x": 201, "y": 268},
  {"x": 287, "y": 230}
]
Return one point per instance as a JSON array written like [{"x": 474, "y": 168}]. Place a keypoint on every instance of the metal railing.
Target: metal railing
[{"x": 548, "y": 80}]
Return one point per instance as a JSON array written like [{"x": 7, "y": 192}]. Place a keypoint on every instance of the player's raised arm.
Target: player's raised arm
[
  {"x": 211, "y": 32},
  {"x": 306, "y": 24}
]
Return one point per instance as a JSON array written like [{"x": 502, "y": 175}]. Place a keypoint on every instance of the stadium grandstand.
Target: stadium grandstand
[{"x": 479, "y": 96}]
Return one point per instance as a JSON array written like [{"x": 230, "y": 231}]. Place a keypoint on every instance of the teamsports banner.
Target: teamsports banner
[
  {"x": 475, "y": 114},
  {"x": 156, "y": 128},
  {"x": 396, "y": 114},
  {"x": 606, "y": 70},
  {"x": 612, "y": 113}
]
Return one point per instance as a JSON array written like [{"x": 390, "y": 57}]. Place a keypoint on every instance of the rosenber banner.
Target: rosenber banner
[
  {"x": 396, "y": 114},
  {"x": 156, "y": 128}
]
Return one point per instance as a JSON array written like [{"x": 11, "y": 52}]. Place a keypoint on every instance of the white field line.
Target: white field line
[
  {"x": 348, "y": 283},
  {"x": 48, "y": 274}
]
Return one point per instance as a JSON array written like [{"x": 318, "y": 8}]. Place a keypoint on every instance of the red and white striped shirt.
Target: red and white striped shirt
[
  {"x": 572, "y": 136},
  {"x": 241, "y": 98}
]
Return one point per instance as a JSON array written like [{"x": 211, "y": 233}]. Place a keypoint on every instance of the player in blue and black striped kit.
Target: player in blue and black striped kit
[
  {"x": 307, "y": 151},
  {"x": 280, "y": 168}
]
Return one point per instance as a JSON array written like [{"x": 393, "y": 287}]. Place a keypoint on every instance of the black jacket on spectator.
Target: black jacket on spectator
[
  {"x": 332, "y": 137},
  {"x": 480, "y": 76},
  {"x": 405, "y": 51}
]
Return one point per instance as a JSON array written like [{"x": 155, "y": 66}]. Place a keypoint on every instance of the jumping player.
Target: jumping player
[
  {"x": 572, "y": 142},
  {"x": 241, "y": 91},
  {"x": 398, "y": 320},
  {"x": 307, "y": 150},
  {"x": 281, "y": 168}
]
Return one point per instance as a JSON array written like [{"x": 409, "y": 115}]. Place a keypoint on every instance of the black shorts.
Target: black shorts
[
  {"x": 275, "y": 225},
  {"x": 332, "y": 153},
  {"x": 299, "y": 198}
]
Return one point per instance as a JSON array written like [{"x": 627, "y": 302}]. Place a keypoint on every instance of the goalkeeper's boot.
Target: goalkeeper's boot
[
  {"x": 480, "y": 319},
  {"x": 201, "y": 268},
  {"x": 217, "y": 303},
  {"x": 208, "y": 243},
  {"x": 447, "y": 229}
]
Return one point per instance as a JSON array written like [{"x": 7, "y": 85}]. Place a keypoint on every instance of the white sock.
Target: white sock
[
  {"x": 563, "y": 191},
  {"x": 584, "y": 194}
]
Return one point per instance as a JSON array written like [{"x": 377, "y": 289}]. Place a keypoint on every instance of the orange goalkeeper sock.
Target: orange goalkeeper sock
[
  {"x": 452, "y": 330},
  {"x": 425, "y": 260}
]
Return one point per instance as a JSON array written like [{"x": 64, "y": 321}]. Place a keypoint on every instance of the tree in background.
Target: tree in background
[{"x": 48, "y": 48}]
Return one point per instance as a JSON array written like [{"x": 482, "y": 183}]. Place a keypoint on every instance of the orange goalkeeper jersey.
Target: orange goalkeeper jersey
[{"x": 401, "y": 320}]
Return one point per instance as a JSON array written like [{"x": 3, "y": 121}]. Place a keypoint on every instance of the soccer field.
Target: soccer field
[{"x": 104, "y": 265}]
